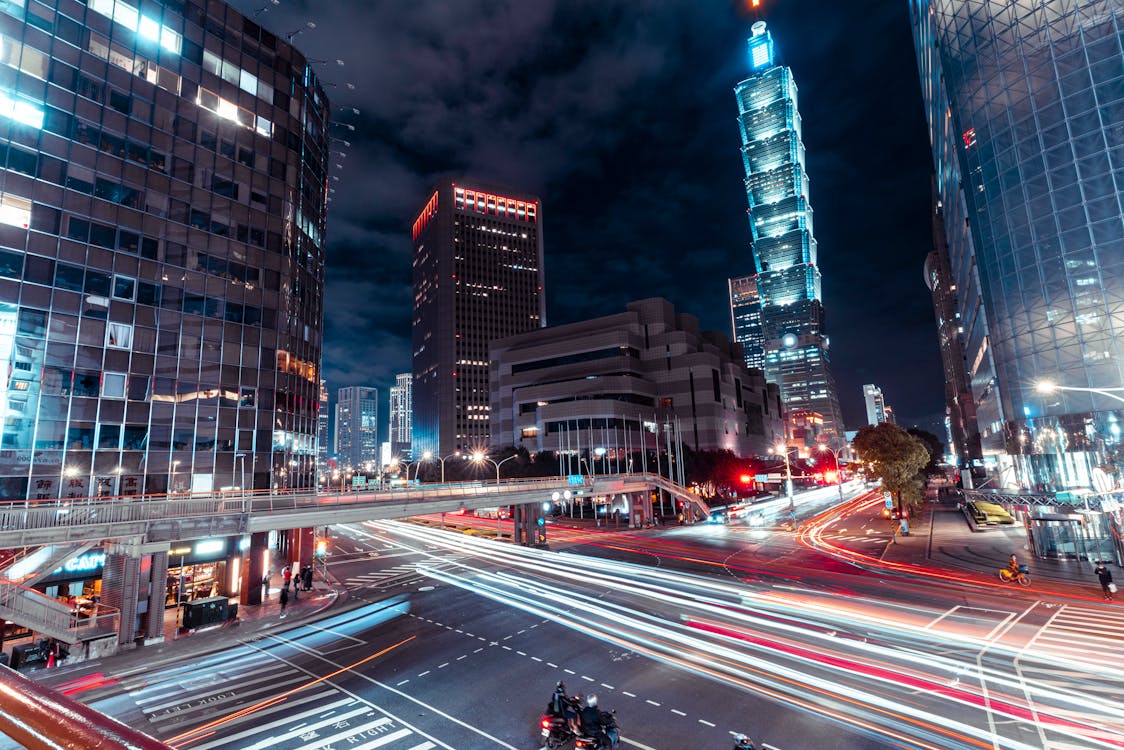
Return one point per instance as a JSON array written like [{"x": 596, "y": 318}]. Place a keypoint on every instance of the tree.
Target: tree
[
  {"x": 932, "y": 444},
  {"x": 895, "y": 457}
]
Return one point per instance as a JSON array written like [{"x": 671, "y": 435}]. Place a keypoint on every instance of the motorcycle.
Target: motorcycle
[
  {"x": 741, "y": 742},
  {"x": 607, "y": 739},
  {"x": 555, "y": 729},
  {"x": 1023, "y": 576}
]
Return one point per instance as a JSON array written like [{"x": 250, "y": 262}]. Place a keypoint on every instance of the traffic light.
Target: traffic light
[
  {"x": 321, "y": 548},
  {"x": 541, "y": 530},
  {"x": 746, "y": 478}
]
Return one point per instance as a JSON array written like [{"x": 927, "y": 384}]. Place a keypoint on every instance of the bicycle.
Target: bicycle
[{"x": 1023, "y": 576}]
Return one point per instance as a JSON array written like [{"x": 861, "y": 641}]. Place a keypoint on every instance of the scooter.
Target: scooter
[
  {"x": 610, "y": 733},
  {"x": 555, "y": 731}
]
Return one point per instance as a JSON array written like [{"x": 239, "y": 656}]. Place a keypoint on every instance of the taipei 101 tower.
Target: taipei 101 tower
[{"x": 791, "y": 335}]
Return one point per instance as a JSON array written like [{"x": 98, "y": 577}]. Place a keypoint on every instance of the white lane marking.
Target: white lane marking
[
  {"x": 704, "y": 721},
  {"x": 284, "y": 708},
  {"x": 648, "y": 700},
  {"x": 305, "y": 728},
  {"x": 678, "y": 712},
  {"x": 392, "y": 737}
]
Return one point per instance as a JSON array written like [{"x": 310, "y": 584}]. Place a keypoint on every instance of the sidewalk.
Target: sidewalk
[
  {"x": 252, "y": 622},
  {"x": 940, "y": 537}
]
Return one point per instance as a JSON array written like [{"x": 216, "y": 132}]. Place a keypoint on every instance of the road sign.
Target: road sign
[
  {"x": 889, "y": 500},
  {"x": 775, "y": 477},
  {"x": 575, "y": 479},
  {"x": 761, "y": 478}
]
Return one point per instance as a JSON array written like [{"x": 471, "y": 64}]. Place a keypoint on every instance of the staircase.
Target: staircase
[{"x": 23, "y": 605}]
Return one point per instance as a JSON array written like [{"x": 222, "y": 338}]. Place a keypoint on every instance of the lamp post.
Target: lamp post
[
  {"x": 784, "y": 449},
  {"x": 838, "y": 471},
  {"x": 1047, "y": 386},
  {"x": 428, "y": 456},
  {"x": 479, "y": 457}
]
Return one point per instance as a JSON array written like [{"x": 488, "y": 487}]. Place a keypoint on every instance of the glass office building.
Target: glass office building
[
  {"x": 1025, "y": 106},
  {"x": 162, "y": 215},
  {"x": 745, "y": 317},
  {"x": 793, "y": 333}
]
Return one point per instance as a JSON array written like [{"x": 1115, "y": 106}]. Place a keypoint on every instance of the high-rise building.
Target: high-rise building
[
  {"x": 960, "y": 406},
  {"x": 478, "y": 276},
  {"x": 745, "y": 317},
  {"x": 357, "y": 426},
  {"x": 323, "y": 425},
  {"x": 889, "y": 412},
  {"x": 793, "y": 333},
  {"x": 1023, "y": 101},
  {"x": 875, "y": 406},
  {"x": 161, "y": 250},
  {"x": 401, "y": 405}
]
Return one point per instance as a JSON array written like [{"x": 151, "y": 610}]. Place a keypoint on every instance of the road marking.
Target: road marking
[
  {"x": 630, "y": 695},
  {"x": 648, "y": 700},
  {"x": 677, "y": 712},
  {"x": 704, "y": 721}
]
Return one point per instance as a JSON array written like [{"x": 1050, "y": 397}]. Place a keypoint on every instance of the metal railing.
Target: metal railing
[{"x": 51, "y": 617}]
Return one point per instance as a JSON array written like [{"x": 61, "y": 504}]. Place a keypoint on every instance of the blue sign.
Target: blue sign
[
  {"x": 575, "y": 479},
  {"x": 83, "y": 563},
  {"x": 889, "y": 500}
]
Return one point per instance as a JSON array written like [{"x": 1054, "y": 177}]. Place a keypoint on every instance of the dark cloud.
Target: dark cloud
[{"x": 621, "y": 116}]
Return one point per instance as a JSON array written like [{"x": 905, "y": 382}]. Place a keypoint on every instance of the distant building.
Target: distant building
[
  {"x": 323, "y": 424},
  {"x": 875, "y": 405},
  {"x": 357, "y": 432},
  {"x": 805, "y": 428},
  {"x": 607, "y": 382},
  {"x": 745, "y": 319},
  {"x": 889, "y": 412},
  {"x": 787, "y": 275},
  {"x": 401, "y": 413},
  {"x": 478, "y": 276}
]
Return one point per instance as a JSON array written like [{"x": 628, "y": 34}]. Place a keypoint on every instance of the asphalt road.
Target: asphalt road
[{"x": 690, "y": 633}]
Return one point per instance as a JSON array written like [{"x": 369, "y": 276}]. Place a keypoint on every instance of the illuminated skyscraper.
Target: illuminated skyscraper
[
  {"x": 1025, "y": 107},
  {"x": 401, "y": 401},
  {"x": 793, "y": 336},
  {"x": 357, "y": 426},
  {"x": 478, "y": 276},
  {"x": 875, "y": 405},
  {"x": 322, "y": 428},
  {"x": 161, "y": 271},
  {"x": 745, "y": 316}
]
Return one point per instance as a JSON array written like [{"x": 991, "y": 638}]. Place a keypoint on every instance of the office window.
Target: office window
[
  {"x": 113, "y": 385},
  {"x": 119, "y": 336},
  {"x": 124, "y": 287},
  {"x": 15, "y": 211}
]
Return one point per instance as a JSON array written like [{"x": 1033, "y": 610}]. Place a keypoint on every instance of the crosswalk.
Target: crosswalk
[
  {"x": 253, "y": 700},
  {"x": 1085, "y": 637},
  {"x": 405, "y": 574}
]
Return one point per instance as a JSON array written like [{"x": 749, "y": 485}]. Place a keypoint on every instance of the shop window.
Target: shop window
[
  {"x": 113, "y": 385},
  {"x": 80, "y": 438},
  {"x": 119, "y": 336}
]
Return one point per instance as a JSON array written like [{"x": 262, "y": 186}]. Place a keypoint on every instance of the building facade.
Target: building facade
[
  {"x": 609, "y": 381},
  {"x": 478, "y": 276},
  {"x": 1023, "y": 99},
  {"x": 357, "y": 427},
  {"x": 745, "y": 320},
  {"x": 401, "y": 406},
  {"x": 875, "y": 405},
  {"x": 793, "y": 330},
  {"x": 162, "y": 221},
  {"x": 323, "y": 428}
]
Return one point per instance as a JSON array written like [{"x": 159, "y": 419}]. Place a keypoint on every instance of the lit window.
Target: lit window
[
  {"x": 22, "y": 112},
  {"x": 149, "y": 29},
  {"x": 113, "y": 385},
  {"x": 119, "y": 336},
  {"x": 15, "y": 211}
]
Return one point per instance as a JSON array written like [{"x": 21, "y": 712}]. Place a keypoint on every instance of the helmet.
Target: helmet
[
  {"x": 591, "y": 700},
  {"x": 561, "y": 686}
]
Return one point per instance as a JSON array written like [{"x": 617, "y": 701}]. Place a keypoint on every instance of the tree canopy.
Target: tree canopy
[{"x": 894, "y": 456}]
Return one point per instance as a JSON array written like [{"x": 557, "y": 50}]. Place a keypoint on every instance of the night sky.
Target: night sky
[{"x": 620, "y": 115}]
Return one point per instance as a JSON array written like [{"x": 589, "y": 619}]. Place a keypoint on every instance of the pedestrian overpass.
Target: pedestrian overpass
[{"x": 48, "y": 533}]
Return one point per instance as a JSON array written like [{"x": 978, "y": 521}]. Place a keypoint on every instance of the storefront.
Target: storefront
[
  {"x": 1072, "y": 535},
  {"x": 202, "y": 568}
]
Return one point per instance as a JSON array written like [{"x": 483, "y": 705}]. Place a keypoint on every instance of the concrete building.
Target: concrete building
[
  {"x": 875, "y": 405},
  {"x": 609, "y": 381},
  {"x": 357, "y": 426},
  {"x": 793, "y": 330},
  {"x": 1023, "y": 102},
  {"x": 401, "y": 412},
  {"x": 478, "y": 276}
]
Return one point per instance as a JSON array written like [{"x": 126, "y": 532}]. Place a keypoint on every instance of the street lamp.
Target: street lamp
[
  {"x": 784, "y": 449},
  {"x": 478, "y": 457},
  {"x": 428, "y": 456},
  {"x": 838, "y": 471},
  {"x": 1047, "y": 386}
]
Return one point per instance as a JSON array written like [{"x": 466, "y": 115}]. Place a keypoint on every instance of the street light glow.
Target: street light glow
[{"x": 1045, "y": 386}]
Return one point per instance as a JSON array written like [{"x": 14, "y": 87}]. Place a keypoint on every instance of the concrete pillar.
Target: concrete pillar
[
  {"x": 253, "y": 568},
  {"x": 305, "y": 548},
  {"x": 156, "y": 579},
  {"x": 120, "y": 587}
]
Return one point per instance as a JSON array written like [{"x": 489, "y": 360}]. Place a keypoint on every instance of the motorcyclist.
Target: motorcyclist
[
  {"x": 558, "y": 700},
  {"x": 597, "y": 724},
  {"x": 1013, "y": 567},
  {"x": 742, "y": 742}
]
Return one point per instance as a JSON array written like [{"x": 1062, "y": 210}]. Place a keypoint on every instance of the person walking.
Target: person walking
[
  {"x": 307, "y": 576},
  {"x": 284, "y": 600},
  {"x": 1104, "y": 575},
  {"x": 287, "y": 574},
  {"x": 265, "y": 586}
]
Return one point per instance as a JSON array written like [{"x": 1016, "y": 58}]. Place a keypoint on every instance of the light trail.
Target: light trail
[{"x": 869, "y": 664}]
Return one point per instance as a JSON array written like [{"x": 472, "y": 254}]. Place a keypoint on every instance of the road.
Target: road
[{"x": 691, "y": 633}]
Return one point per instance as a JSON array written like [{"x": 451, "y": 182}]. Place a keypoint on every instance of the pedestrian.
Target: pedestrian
[
  {"x": 284, "y": 600},
  {"x": 265, "y": 586},
  {"x": 307, "y": 578},
  {"x": 1105, "y": 577},
  {"x": 287, "y": 574}
]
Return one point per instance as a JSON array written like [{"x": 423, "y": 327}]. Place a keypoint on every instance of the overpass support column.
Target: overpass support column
[
  {"x": 133, "y": 582},
  {"x": 253, "y": 568},
  {"x": 305, "y": 547}
]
